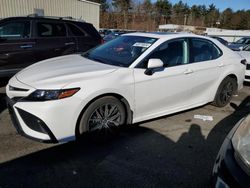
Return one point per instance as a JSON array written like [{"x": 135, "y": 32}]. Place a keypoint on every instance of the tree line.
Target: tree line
[{"x": 148, "y": 15}]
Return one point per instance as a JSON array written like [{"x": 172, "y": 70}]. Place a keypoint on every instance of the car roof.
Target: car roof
[
  {"x": 67, "y": 19},
  {"x": 163, "y": 35}
]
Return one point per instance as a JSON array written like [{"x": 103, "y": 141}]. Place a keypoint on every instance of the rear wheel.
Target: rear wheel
[
  {"x": 225, "y": 92},
  {"x": 103, "y": 116}
]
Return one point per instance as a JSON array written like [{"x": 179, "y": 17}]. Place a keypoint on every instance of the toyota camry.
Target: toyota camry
[{"x": 135, "y": 77}]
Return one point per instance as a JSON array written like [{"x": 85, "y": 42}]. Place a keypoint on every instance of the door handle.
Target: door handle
[
  {"x": 69, "y": 43},
  {"x": 26, "y": 46},
  {"x": 188, "y": 71},
  {"x": 221, "y": 65}
]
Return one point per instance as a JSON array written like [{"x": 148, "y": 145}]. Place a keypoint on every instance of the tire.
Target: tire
[
  {"x": 225, "y": 92},
  {"x": 102, "y": 116}
]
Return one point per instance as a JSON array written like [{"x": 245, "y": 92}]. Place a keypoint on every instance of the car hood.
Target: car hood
[
  {"x": 246, "y": 55},
  {"x": 57, "y": 72}
]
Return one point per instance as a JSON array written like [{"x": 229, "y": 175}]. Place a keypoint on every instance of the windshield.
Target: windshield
[
  {"x": 122, "y": 51},
  {"x": 243, "y": 41}
]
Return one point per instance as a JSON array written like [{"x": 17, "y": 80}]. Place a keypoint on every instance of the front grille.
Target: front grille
[
  {"x": 248, "y": 66},
  {"x": 247, "y": 77}
]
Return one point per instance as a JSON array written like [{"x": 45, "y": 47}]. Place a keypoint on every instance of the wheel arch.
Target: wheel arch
[
  {"x": 230, "y": 75},
  {"x": 123, "y": 100}
]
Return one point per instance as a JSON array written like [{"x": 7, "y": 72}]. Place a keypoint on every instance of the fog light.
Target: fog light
[{"x": 33, "y": 122}]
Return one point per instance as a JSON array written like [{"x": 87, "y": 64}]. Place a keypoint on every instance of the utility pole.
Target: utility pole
[{"x": 185, "y": 19}]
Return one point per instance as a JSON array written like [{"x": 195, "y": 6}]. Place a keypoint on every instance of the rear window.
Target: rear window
[
  {"x": 51, "y": 29},
  {"x": 203, "y": 50},
  {"x": 75, "y": 31},
  {"x": 89, "y": 29}
]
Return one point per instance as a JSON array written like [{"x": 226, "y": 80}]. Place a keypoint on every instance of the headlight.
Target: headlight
[
  {"x": 241, "y": 143},
  {"x": 45, "y": 95}
]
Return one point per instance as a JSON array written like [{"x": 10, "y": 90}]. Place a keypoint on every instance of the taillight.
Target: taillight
[
  {"x": 102, "y": 41},
  {"x": 243, "y": 62}
]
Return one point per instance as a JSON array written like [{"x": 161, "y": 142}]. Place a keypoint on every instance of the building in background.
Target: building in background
[
  {"x": 226, "y": 34},
  {"x": 79, "y": 9},
  {"x": 229, "y": 35},
  {"x": 182, "y": 28}
]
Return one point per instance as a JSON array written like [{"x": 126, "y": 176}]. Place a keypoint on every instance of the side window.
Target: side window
[
  {"x": 15, "y": 30},
  {"x": 203, "y": 50},
  {"x": 51, "y": 29},
  {"x": 172, "y": 53},
  {"x": 75, "y": 31}
]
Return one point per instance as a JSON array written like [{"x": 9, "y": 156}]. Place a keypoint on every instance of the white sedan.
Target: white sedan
[
  {"x": 246, "y": 54},
  {"x": 136, "y": 77}
]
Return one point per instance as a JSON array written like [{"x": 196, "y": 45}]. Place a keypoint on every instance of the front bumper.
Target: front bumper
[
  {"x": 226, "y": 171},
  {"x": 48, "y": 121},
  {"x": 40, "y": 120},
  {"x": 48, "y": 136}
]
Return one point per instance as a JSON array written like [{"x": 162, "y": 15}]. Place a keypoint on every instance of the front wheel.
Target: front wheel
[
  {"x": 103, "y": 116},
  {"x": 225, "y": 92}
]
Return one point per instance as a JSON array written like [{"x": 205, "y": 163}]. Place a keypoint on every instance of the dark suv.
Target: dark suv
[{"x": 26, "y": 40}]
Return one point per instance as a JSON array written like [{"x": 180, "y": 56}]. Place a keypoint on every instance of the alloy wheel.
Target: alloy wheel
[{"x": 104, "y": 117}]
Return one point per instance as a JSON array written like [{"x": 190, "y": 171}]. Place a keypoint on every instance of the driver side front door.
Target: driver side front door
[{"x": 167, "y": 90}]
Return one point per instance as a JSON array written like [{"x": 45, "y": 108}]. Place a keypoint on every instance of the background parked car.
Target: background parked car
[
  {"x": 246, "y": 54},
  {"x": 239, "y": 44},
  {"x": 112, "y": 36},
  {"x": 26, "y": 40},
  {"x": 223, "y": 41},
  {"x": 232, "y": 166}
]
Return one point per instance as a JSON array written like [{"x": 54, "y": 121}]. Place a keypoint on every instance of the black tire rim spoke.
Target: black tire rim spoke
[
  {"x": 226, "y": 93},
  {"x": 104, "y": 117}
]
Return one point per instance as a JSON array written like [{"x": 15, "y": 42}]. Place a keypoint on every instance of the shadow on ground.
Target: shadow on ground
[{"x": 136, "y": 157}]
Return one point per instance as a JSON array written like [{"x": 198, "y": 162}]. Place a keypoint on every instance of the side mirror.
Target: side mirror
[{"x": 153, "y": 64}]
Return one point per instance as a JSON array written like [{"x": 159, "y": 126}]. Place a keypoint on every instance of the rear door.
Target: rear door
[
  {"x": 52, "y": 39},
  {"x": 16, "y": 45},
  {"x": 206, "y": 66}
]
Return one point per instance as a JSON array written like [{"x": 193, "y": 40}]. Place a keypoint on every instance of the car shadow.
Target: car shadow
[
  {"x": 135, "y": 157},
  {"x": 225, "y": 125}
]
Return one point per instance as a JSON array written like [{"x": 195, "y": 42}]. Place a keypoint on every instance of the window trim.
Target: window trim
[{"x": 206, "y": 40}]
